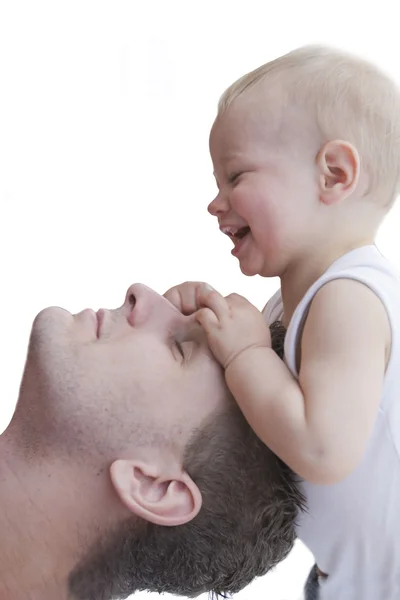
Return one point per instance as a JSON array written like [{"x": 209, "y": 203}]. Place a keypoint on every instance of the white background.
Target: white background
[{"x": 105, "y": 109}]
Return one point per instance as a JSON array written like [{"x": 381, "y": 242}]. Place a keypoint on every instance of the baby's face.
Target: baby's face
[{"x": 267, "y": 182}]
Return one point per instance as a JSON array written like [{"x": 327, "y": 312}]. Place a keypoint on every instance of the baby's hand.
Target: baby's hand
[
  {"x": 184, "y": 296},
  {"x": 232, "y": 324}
]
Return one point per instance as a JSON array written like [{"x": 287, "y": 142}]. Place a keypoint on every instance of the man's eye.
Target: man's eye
[{"x": 180, "y": 349}]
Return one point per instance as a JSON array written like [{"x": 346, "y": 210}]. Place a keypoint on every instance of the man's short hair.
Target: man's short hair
[{"x": 245, "y": 527}]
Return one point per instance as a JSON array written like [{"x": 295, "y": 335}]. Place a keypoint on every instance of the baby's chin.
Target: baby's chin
[{"x": 250, "y": 270}]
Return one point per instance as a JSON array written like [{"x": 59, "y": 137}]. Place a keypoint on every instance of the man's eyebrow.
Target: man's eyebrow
[{"x": 195, "y": 333}]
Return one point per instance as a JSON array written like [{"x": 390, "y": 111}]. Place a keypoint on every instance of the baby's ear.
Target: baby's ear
[
  {"x": 156, "y": 496},
  {"x": 339, "y": 171}
]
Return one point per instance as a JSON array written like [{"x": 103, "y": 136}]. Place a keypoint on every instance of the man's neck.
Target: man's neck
[{"x": 35, "y": 543}]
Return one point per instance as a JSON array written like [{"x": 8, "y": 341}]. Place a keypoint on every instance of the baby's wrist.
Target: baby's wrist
[{"x": 236, "y": 361}]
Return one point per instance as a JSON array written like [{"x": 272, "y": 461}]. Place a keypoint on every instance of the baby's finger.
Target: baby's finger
[
  {"x": 238, "y": 300},
  {"x": 188, "y": 293},
  {"x": 207, "y": 319},
  {"x": 184, "y": 296},
  {"x": 207, "y": 296},
  {"x": 173, "y": 296}
]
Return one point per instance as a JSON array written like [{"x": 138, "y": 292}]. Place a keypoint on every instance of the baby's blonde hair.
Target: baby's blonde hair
[{"x": 348, "y": 98}]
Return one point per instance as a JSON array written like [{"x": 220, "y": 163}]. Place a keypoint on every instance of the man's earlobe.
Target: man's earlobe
[
  {"x": 339, "y": 171},
  {"x": 160, "y": 498}
]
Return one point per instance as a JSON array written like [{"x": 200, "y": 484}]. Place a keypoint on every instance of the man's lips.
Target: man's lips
[{"x": 100, "y": 320}]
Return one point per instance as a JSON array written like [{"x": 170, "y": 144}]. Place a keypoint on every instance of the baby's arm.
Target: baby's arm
[{"x": 320, "y": 425}]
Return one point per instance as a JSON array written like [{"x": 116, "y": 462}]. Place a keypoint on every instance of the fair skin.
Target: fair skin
[
  {"x": 293, "y": 199},
  {"x": 92, "y": 442}
]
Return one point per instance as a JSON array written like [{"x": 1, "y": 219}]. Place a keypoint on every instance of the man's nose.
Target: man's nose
[
  {"x": 219, "y": 205},
  {"x": 146, "y": 308}
]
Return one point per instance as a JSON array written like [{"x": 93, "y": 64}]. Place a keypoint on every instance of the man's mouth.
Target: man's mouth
[{"x": 100, "y": 320}]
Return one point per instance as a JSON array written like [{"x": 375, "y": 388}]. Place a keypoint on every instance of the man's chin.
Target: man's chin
[
  {"x": 53, "y": 311},
  {"x": 51, "y": 319},
  {"x": 49, "y": 337}
]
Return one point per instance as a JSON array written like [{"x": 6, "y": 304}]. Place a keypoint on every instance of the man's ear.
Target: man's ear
[
  {"x": 155, "y": 495},
  {"x": 339, "y": 167}
]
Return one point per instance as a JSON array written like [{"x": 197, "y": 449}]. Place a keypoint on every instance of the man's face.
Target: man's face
[{"x": 95, "y": 385}]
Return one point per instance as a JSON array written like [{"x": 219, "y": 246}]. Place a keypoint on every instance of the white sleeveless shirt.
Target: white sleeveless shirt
[{"x": 353, "y": 527}]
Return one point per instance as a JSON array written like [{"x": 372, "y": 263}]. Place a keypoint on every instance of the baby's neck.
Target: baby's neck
[{"x": 298, "y": 279}]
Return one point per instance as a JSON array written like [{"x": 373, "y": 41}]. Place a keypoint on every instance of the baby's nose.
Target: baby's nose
[{"x": 218, "y": 206}]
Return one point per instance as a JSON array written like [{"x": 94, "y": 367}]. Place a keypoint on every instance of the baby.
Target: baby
[{"x": 306, "y": 155}]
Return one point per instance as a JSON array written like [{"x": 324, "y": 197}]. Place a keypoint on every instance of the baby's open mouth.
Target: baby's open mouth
[{"x": 235, "y": 233}]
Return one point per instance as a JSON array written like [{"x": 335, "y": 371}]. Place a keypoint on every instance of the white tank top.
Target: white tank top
[{"x": 353, "y": 527}]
